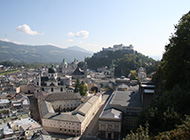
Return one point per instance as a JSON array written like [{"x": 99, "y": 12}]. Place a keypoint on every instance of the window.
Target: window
[
  {"x": 42, "y": 89},
  {"x": 51, "y": 89},
  {"x": 60, "y": 129},
  {"x": 61, "y": 89},
  {"x": 103, "y": 126}
]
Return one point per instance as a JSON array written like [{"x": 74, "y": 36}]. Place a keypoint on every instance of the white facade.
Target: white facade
[
  {"x": 72, "y": 123},
  {"x": 119, "y": 47}
]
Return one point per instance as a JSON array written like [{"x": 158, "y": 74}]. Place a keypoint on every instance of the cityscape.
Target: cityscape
[{"x": 99, "y": 70}]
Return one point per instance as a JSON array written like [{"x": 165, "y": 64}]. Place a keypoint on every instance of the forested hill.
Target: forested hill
[
  {"x": 124, "y": 61},
  {"x": 40, "y": 53}
]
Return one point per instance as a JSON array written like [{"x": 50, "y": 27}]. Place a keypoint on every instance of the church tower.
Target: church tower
[
  {"x": 112, "y": 70},
  {"x": 85, "y": 69},
  {"x": 64, "y": 66}
]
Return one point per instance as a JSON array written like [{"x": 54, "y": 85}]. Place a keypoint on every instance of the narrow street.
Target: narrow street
[{"x": 92, "y": 129}]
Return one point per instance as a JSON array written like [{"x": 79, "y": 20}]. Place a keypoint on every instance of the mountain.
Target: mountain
[
  {"x": 40, "y": 53},
  {"x": 76, "y": 48}
]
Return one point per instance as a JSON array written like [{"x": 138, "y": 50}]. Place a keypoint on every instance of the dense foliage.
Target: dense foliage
[
  {"x": 80, "y": 87},
  {"x": 175, "y": 65},
  {"x": 173, "y": 88},
  {"x": 124, "y": 62},
  {"x": 181, "y": 132}
]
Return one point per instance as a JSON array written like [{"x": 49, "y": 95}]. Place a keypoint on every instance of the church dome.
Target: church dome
[{"x": 52, "y": 70}]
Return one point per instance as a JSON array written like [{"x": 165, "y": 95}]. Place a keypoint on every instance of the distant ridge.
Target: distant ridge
[
  {"x": 76, "y": 48},
  {"x": 40, "y": 53}
]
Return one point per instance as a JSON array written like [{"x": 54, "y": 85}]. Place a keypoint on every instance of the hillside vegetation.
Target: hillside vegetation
[{"x": 124, "y": 62}]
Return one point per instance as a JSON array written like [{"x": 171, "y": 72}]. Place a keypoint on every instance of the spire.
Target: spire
[{"x": 112, "y": 65}]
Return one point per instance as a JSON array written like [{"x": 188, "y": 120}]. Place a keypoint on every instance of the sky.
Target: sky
[{"x": 92, "y": 24}]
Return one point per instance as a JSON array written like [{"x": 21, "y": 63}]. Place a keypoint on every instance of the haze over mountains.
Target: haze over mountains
[{"x": 40, "y": 53}]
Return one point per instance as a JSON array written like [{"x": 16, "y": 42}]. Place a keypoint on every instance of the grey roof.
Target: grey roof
[
  {"x": 46, "y": 108},
  {"x": 151, "y": 91},
  {"x": 111, "y": 114},
  {"x": 126, "y": 98},
  {"x": 123, "y": 86},
  {"x": 78, "y": 71},
  {"x": 148, "y": 86},
  {"x": 62, "y": 96},
  {"x": 85, "y": 107},
  {"x": 69, "y": 117},
  {"x": 47, "y": 112}
]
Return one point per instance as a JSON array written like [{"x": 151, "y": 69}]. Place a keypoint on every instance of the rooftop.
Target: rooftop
[
  {"x": 62, "y": 96},
  {"x": 111, "y": 114},
  {"x": 126, "y": 98}
]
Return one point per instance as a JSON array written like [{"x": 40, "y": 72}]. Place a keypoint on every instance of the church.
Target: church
[
  {"x": 51, "y": 83},
  {"x": 68, "y": 68}
]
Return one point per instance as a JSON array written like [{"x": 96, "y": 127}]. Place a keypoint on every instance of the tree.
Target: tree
[
  {"x": 176, "y": 59},
  {"x": 133, "y": 75},
  {"x": 82, "y": 89},
  {"x": 77, "y": 85},
  {"x": 94, "y": 89},
  {"x": 173, "y": 74}
]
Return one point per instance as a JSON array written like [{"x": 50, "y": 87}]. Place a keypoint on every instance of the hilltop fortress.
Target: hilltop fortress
[{"x": 120, "y": 47}]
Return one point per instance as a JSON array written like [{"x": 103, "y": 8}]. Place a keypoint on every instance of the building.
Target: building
[
  {"x": 122, "y": 80},
  {"x": 142, "y": 74},
  {"x": 119, "y": 47},
  {"x": 129, "y": 103},
  {"x": 110, "y": 124},
  {"x": 4, "y": 103},
  {"x": 147, "y": 93},
  {"x": 26, "y": 125},
  {"x": 121, "y": 103},
  {"x": 51, "y": 83},
  {"x": 72, "y": 122},
  {"x": 79, "y": 74},
  {"x": 68, "y": 68},
  {"x": 41, "y": 135},
  {"x": 27, "y": 88},
  {"x": 64, "y": 102},
  {"x": 21, "y": 101}
]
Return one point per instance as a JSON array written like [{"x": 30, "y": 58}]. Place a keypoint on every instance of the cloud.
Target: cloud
[
  {"x": 7, "y": 40},
  {"x": 70, "y": 40},
  {"x": 52, "y": 44},
  {"x": 26, "y": 29},
  {"x": 81, "y": 42},
  {"x": 82, "y": 34},
  {"x": 71, "y": 34}
]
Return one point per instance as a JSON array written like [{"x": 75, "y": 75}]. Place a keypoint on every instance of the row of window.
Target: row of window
[
  {"x": 49, "y": 121},
  {"x": 116, "y": 128},
  {"x": 69, "y": 130},
  {"x": 68, "y": 105}
]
